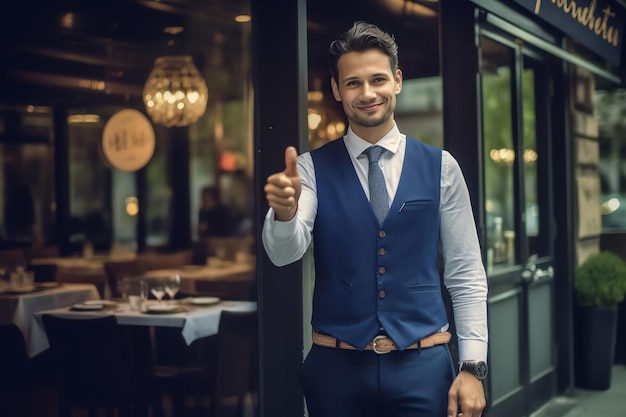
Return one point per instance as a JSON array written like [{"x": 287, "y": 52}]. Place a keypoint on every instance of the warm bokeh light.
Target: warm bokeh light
[
  {"x": 132, "y": 206},
  {"x": 175, "y": 93},
  {"x": 83, "y": 118},
  {"x": 530, "y": 156},
  {"x": 314, "y": 119},
  {"x": 502, "y": 156}
]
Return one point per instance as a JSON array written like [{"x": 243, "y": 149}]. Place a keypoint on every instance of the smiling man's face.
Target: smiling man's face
[{"x": 367, "y": 88}]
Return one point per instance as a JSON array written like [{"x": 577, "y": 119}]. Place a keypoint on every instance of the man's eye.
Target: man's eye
[{"x": 379, "y": 80}]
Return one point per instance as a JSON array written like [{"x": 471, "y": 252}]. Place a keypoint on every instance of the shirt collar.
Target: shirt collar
[{"x": 356, "y": 145}]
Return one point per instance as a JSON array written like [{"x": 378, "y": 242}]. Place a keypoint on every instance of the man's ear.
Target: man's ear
[
  {"x": 398, "y": 79},
  {"x": 335, "y": 88}
]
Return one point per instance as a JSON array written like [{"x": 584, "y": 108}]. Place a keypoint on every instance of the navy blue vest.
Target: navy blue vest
[{"x": 368, "y": 276}]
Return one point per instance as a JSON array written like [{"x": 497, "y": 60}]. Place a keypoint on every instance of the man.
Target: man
[
  {"x": 379, "y": 342},
  {"x": 214, "y": 218}
]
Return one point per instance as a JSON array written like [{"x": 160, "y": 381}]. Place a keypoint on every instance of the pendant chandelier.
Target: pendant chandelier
[{"x": 175, "y": 93}]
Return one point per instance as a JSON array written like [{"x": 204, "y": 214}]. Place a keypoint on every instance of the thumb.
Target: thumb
[{"x": 291, "y": 159}]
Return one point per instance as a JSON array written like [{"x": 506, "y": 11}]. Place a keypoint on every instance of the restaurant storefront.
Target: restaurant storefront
[
  {"x": 509, "y": 91},
  {"x": 506, "y": 86}
]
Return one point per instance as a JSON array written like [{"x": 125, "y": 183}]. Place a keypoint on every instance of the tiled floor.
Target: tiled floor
[
  {"x": 609, "y": 403},
  {"x": 591, "y": 403}
]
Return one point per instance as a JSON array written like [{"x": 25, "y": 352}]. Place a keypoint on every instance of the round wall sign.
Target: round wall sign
[{"x": 128, "y": 140}]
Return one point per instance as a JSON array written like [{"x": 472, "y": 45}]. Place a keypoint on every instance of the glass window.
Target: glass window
[
  {"x": 26, "y": 177},
  {"x": 419, "y": 110},
  {"x": 496, "y": 73},
  {"x": 535, "y": 144},
  {"x": 610, "y": 109},
  {"x": 26, "y": 198},
  {"x": 89, "y": 188}
]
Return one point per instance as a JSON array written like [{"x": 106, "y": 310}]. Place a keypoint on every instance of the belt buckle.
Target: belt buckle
[{"x": 375, "y": 348}]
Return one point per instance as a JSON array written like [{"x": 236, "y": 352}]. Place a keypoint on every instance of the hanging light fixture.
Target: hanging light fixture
[{"x": 175, "y": 93}]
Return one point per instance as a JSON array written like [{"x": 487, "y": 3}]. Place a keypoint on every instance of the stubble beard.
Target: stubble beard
[{"x": 355, "y": 118}]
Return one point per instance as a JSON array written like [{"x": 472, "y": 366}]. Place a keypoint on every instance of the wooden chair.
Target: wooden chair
[
  {"x": 35, "y": 252},
  {"x": 171, "y": 370},
  {"x": 150, "y": 261},
  {"x": 116, "y": 271},
  {"x": 13, "y": 257},
  {"x": 43, "y": 272},
  {"x": 235, "y": 373},
  {"x": 15, "y": 371},
  {"x": 230, "y": 362},
  {"x": 97, "y": 279},
  {"x": 91, "y": 372}
]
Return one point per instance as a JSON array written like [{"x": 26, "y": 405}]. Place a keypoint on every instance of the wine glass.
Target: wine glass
[
  {"x": 158, "y": 290},
  {"x": 172, "y": 286},
  {"x": 136, "y": 292}
]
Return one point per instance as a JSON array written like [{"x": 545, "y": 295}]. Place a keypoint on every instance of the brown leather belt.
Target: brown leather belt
[{"x": 382, "y": 344}]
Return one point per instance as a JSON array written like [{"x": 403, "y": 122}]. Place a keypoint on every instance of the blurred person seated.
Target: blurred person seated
[
  {"x": 214, "y": 219},
  {"x": 21, "y": 228}
]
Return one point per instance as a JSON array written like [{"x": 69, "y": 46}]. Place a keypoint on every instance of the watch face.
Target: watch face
[
  {"x": 478, "y": 369},
  {"x": 481, "y": 370}
]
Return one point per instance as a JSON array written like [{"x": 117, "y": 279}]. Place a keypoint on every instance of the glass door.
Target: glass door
[{"x": 515, "y": 97}]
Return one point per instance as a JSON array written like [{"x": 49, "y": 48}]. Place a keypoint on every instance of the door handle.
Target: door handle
[
  {"x": 534, "y": 274},
  {"x": 543, "y": 273}
]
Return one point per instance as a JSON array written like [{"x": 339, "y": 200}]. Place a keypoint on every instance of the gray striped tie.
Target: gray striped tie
[{"x": 376, "y": 182}]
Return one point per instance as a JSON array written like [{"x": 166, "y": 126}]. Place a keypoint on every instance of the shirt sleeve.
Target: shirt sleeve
[
  {"x": 286, "y": 242},
  {"x": 464, "y": 273}
]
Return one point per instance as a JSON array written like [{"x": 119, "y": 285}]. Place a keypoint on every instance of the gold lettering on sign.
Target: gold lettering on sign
[
  {"x": 128, "y": 140},
  {"x": 588, "y": 17}
]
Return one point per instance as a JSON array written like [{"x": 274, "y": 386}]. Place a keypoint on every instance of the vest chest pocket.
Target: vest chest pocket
[
  {"x": 422, "y": 288},
  {"x": 417, "y": 204}
]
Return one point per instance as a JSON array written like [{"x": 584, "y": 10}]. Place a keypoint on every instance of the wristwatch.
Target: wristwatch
[{"x": 477, "y": 368}]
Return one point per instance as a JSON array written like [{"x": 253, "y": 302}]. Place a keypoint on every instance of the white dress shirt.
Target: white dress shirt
[{"x": 464, "y": 274}]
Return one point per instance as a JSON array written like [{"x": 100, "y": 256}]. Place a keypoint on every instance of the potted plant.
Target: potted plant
[{"x": 599, "y": 286}]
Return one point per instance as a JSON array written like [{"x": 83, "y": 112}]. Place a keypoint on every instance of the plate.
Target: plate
[
  {"x": 164, "y": 309},
  {"x": 87, "y": 307},
  {"x": 204, "y": 301},
  {"x": 100, "y": 302}
]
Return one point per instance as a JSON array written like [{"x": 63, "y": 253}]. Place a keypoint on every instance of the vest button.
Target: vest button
[
  {"x": 381, "y": 294},
  {"x": 382, "y": 251},
  {"x": 382, "y": 270},
  {"x": 382, "y": 234}
]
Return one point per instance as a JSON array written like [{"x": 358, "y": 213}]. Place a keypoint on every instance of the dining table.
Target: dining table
[
  {"x": 19, "y": 307},
  {"x": 219, "y": 271},
  {"x": 84, "y": 269},
  {"x": 197, "y": 317}
]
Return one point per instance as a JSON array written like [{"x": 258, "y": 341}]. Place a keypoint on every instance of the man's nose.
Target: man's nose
[{"x": 367, "y": 91}]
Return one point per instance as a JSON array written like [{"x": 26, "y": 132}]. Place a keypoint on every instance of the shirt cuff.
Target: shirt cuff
[
  {"x": 472, "y": 350},
  {"x": 279, "y": 228}
]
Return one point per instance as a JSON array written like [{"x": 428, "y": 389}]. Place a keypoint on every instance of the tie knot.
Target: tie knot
[{"x": 374, "y": 153}]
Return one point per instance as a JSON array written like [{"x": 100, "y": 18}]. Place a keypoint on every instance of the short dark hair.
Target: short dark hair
[
  {"x": 211, "y": 190},
  {"x": 361, "y": 37}
]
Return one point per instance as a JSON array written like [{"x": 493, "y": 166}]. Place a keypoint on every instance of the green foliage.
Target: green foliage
[{"x": 600, "y": 281}]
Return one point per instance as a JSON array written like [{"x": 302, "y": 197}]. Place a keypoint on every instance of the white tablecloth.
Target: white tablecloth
[
  {"x": 19, "y": 309},
  {"x": 196, "y": 323}
]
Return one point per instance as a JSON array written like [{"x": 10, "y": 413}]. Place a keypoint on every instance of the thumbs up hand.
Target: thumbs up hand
[{"x": 283, "y": 189}]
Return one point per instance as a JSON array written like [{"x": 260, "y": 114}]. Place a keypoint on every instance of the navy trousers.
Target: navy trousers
[{"x": 347, "y": 383}]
